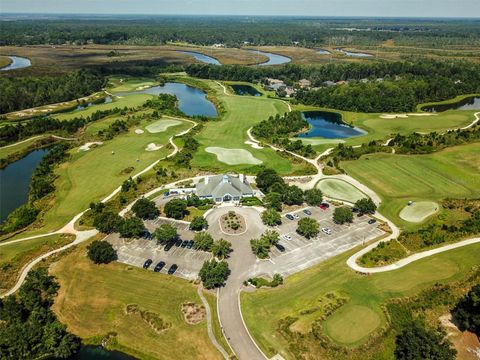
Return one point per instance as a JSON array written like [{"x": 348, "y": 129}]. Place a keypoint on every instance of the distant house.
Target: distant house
[
  {"x": 218, "y": 45},
  {"x": 289, "y": 91},
  {"x": 341, "y": 82},
  {"x": 329, "y": 83},
  {"x": 304, "y": 83},
  {"x": 224, "y": 188},
  {"x": 275, "y": 84}
]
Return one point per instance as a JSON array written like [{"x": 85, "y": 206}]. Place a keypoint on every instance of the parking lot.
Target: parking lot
[
  {"x": 136, "y": 251},
  {"x": 300, "y": 253}
]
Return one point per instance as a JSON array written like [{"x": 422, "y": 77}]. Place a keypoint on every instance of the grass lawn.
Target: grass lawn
[
  {"x": 339, "y": 189},
  {"x": 128, "y": 83},
  {"x": 5, "y": 61},
  {"x": 453, "y": 172},
  {"x": 92, "y": 300},
  {"x": 7, "y": 151},
  {"x": 359, "y": 318},
  {"x": 230, "y": 132},
  {"x": 14, "y": 256}
]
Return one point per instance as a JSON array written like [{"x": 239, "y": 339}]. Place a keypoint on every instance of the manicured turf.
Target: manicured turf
[
  {"x": 126, "y": 83},
  {"x": 453, "y": 172},
  {"x": 233, "y": 156},
  {"x": 7, "y": 151},
  {"x": 92, "y": 300},
  {"x": 362, "y": 315},
  {"x": 339, "y": 189},
  {"x": 161, "y": 125},
  {"x": 419, "y": 211}
]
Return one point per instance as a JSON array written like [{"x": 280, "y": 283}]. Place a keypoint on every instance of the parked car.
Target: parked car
[
  {"x": 147, "y": 263},
  {"x": 168, "y": 246},
  {"x": 322, "y": 206},
  {"x": 172, "y": 269},
  {"x": 289, "y": 217},
  {"x": 307, "y": 212},
  {"x": 159, "y": 266},
  {"x": 359, "y": 214},
  {"x": 354, "y": 209},
  {"x": 296, "y": 217},
  {"x": 280, "y": 247},
  {"x": 184, "y": 244},
  {"x": 327, "y": 231},
  {"x": 287, "y": 237},
  {"x": 190, "y": 244},
  {"x": 178, "y": 243},
  {"x": 372, "y": 221},
  {"x": 327, "y": 205}
]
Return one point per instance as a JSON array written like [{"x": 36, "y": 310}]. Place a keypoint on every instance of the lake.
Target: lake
[
  {"x": 323, "y": 52},
  {"x": 241, "y": 89},
  {"x": 202, "y": 57},
  {"x": 469, "y": 103},
  {"x": 17, "y": 63},
  {"x": 354, "y": 54},
  {"x": 328, "y": 125},
  {"x": 105, "y": 100},
  {"x": 90, "y": 352},
  {"x": 15, "y": 181},
  {"x": 273, "y": 59},
  {"x": 191, "y": 101}
]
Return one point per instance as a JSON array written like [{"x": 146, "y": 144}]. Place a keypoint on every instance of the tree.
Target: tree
[
  {"x": 107, "y": 222},
  {"x": 271, "y": 217},
  {"x": 101, "y": 252},
  {"x": 293, "y": 195},
  {"x": 308, "y": 227},
  {"x": 467, "y": 311},
  {"x": 266, "y": 178},
  {"x": 203, "y": 241},
  {"x": 366, "y": 206},
  {"x": 261, "y": 247},
  {"x": 313, "y": 197},
  {"x": 343, "y": 214},
  {"x": 221, "y": 248},
  {"x": 214, "y": 274},
  {"x": 198, "y": 223},
  {"x": 145, "y": 209},
  {"x": 193, "y": 200},
  {"x": 175, "y": 209},
  {"x": 273, "y": 200},
  {"x": 270, "y": 237},
  {"x": 417, "y": 342},
  {"x": 165, "y": 233},
  {"x": 132, "y": 228}
]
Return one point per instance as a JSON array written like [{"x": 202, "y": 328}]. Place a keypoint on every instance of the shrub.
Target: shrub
[
  {"x": 198, "y": 223},
  {"x": 19, "y": 218},
  {"x": 145, "y": 209},
  {"x": 176, "y": 209},
  {"x": 101, "y": 252}
]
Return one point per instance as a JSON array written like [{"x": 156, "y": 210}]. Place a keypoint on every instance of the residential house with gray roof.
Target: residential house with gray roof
[{"x": 223, "y": 188}]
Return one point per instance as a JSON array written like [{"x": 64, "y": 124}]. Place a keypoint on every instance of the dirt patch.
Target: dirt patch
[
  {"x": 193, "y": 313},
  {"x": 232, "y": 223},
  {"x": 152, "y": 319},
  {"x": 466, "y": 343}
]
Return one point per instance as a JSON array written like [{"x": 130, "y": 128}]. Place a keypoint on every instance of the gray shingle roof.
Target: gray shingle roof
[{"x": 220, "y": 185}]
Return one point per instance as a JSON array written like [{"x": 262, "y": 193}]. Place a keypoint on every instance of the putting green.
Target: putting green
[
  {"x": 161, "y": 125},
  {"x": 233, "y": 156},
  {"x": 419, "y": 211},
  {"x": 339, "y": 189},
  {"x": 352, "y": 323}
]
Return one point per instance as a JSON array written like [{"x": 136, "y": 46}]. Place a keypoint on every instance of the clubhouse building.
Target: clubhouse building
[{"x": 224, "y": 188}]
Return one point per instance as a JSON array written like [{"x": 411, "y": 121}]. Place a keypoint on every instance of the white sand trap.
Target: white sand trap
[
  {"x": 253, "y": 145},
  {"x": 404, "y": 116},
  {"x": 153, "y": 147},
  {"x": 340, "y": 190},
  {"x": 233, "y": 156},
  {"x": 87, "y": 146},
  {"x": 314, "y": 141},
  {"x": 139, "y": 131},
  {"x": 161, "y": 125},
  {"x": 419, "y": 211}
]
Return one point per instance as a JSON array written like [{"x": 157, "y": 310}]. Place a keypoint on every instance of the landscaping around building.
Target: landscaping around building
[{"x": 232, "y": 223}]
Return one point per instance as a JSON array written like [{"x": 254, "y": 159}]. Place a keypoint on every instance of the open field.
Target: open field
[
  {"x": 14, "y": 256},
  {"x": 419, "y": 211},
  {"x": 127, "y": 83},
  {"x": 21, "y": 146},
  {"x": 339, "y": 189},
  {"x": 355, "y": 321},
  {"x": 5, "y": 61},
  {"x": 453, "y": 172},
  {"x": 233, "y": 156},
  {"x": 92, "y": 302}
]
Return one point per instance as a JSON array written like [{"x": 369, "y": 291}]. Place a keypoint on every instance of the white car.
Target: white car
[
  {"x": 327, "y": 231},
  {"x": 296, "y": 216},
  {"x": 287, "y": 237}
]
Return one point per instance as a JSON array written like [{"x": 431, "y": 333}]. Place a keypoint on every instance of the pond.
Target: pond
[
  {"x": 202, "y": 57},
  {"x": 469, "y": 103},
  {"x": 273, "y": 59},
  {"x": 241, "y": 89},
  {"x": 354, "y": 54},
  {"x": 105, "y": 100},
  {"x": 191, "y": 101},
  {"x": 98, "y": 353},
  {"x": 323, "y": 52},
  {"x": 328, "y": 125},
  {"x": 17, "y": 63},
  {"x": 15, "y": 181}
]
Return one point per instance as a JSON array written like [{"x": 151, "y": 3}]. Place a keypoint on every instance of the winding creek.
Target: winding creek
[
  {"x": 17, "y": 63},
  {"x": 469, "y": 103},
  {"x": 273, "y": 59},
  {"x": 201, "y": 57}
]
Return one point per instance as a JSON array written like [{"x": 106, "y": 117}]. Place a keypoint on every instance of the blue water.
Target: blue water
[
  {"x": 191, "y": 101},
  {"x": 323, "y": 52},
  {"x": 106, "y": 100},
  {"x": 469, "y": 103},
  {"x": 202, "y": 57},
  {"x": 354, "y": 54},
  {"x": 241, "y": 89},
  {"x": 15, "y": 181},
  {"x": 17, "y": 63},
  {"x": 273, "y": 59},
  {"x": 328, "y": 125},
  {"x": 98, "y": 353}
]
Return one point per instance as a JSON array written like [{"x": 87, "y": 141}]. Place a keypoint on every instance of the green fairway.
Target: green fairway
[
  {"x": 359, "y": 317},
  {"x": 233, "y": 156},
  {"x": 453, "y": 172},
  {"x": 340, "y": 190},
  {"x": 92, "y": 302},
  {"x": 126, "y": 83},
  {"x": 419, "y": 211}
]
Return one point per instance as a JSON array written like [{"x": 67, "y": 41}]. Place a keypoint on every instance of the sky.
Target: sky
[{"x": 369, "y": 8}]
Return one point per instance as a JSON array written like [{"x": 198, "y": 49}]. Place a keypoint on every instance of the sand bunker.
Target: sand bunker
[
  {"x": 139, "y": 131},
  {"x": 341, "y": 190},
  {"x": 88, "y": 145},
  {"x": 153, "y": 147},
  {"x": 161, "y": 125},
  {"x": 419, "y": 211},
  {"x": 233, "y": 156},
  {"x": 404, "y": 116},
  {"x": 253, "y": 144}
]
